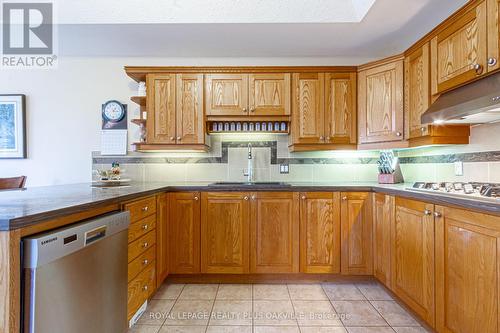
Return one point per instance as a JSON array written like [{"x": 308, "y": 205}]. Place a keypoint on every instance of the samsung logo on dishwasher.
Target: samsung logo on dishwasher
[{"x": 50, "y": 240}]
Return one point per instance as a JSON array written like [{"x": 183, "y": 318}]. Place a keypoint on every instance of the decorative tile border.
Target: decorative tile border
[{"x": 491, "y": 156}]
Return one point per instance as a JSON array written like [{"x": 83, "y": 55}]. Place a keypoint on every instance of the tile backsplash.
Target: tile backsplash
[{"x": 227, "y": 159}]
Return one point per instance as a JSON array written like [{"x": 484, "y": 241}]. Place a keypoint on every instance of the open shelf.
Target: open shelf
[
  {"x": 138, "y": 121},
  {"x": 234, "y": 127},
  {"x": 141, "y": 100}
]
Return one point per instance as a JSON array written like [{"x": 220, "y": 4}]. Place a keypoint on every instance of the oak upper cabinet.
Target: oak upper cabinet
[
  {"x": 417, "y": 90},
  {"x": 459, "y": 49},
  {"x": 412, "y": 254},
  {"x": 226, "y": 94},
  {"x": 381, "y": 103},
  {"x": 383, "y": 220},
  {"x": 320, "y": 232},
  {"x": 184, "y": 229},
  {"x": 493, "y": 7},
  {"x": 274, "y": 232},
  {"x": 225, "y": 230},
  {"x": 162, "y": 238},
  {"x": 467, "y": 275},
  {"x": 161, "y": 108},
  {"x": 308, "y": 108},
  {"x": 340, "y": 108},
  {"x": 356, "y": 230},
  {"x": 189, "y": 115},
  {"x": 175, "y": 110},
  {"x": 269, "y": 94}
]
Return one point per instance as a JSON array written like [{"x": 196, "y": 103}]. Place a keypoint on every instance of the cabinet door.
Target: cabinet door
[
  {"x": 190, "y": 121},
  {"x": 356, "y": 228},
  {"x": 225, "y": 229},
  {"x": 161, "y": 108},
  {"x": 493, "y": 7},
  {"x": 162, "y": 241},
  {"x": 184, "y": 229},
  {"x": 383, "y": 218},
  {"x": 274, "y": 233},
  {"x": 458, "y": 52},
  {"x": 417, "y": 90},
  {"x": 340, "y": 108},
  {"x": 320, "y": 233},
  {"x": 226, "y": 94},
  {"x": 413, "y": 256},
  {"x": 381, "y": 104},
  {"x": 467, "y": 275},
  {"x": 308, "y": 108},
  {"x": 269, "y": 94}
]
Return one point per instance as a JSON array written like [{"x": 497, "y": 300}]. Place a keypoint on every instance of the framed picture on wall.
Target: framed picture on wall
[{"x": 12, "y": 126}]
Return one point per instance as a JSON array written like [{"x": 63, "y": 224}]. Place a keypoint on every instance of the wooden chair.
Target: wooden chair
[{"x": 12, "y": 183}]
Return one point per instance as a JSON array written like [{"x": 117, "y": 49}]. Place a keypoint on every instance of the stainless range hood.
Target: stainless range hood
[{"x": 475, "y": 103}]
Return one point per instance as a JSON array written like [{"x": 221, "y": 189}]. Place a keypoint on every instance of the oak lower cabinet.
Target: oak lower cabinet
[
  {"x": 162, "y": 238},
  {"x": 320, "y": 232},
  {"x": 225, "y": 226},
  {"x": 356, "y": 230},
  {"x": 412, "y": 254},
  {"x": 467, "y": 274},
  {"x": 459, "y": 50},
  {"x": 184, "y": 230},
  {"x": 142, "y": 242},
  {"x": 274, "y": 232},
  {"x": 381, "y": 102},
  {"x": 383, "y": 220}
]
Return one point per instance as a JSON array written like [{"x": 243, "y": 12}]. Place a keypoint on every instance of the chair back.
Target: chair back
[{"x": 12, "y": 183}]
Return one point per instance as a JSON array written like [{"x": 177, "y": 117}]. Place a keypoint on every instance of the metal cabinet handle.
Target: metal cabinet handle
[
  {"x": 245, "y": 198},
  {"x": 252, "y": 110},
  {"x": 145, "y": 209},
  {"x": 422, "y": 129},
  {"x": 303, "y": 197},
  {"x": 478, "y": 68},
  {"x": 145, "y": 245},
  {"x": 253, "y": 197},
  {"x": 196, "y": 198},
  {"x": 398, "y": 134},
  {"x": 321, "y": 138},
  {"x": 344, "y": 198},
  {"x": 145, "y": 288},
  {"x": 244, "y": 109},
  {"x": 145, "y": 262},
  {"x": 179, "y": 138},
  {"x": 172, "y": 138},
  {"x": 492, "y": 61},
  {"x": 145, "y": 227},
  {"x": 437, "y": 214},
  {"x": 427, "y": 212}
]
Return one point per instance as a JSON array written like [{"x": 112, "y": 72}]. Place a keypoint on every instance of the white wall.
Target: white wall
[{"x": 63, "y": 109}]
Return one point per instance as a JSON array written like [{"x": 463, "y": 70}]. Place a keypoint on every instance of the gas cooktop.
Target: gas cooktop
[{"x": 489, "y": 192}]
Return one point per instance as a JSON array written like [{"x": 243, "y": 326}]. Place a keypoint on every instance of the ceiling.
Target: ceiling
[{"x": 351, "y": 31}]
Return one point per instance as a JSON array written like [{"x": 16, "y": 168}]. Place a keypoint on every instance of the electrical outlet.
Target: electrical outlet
[
  {"x": 459, "y": 168},
  {"x": 284, "y": 169}
]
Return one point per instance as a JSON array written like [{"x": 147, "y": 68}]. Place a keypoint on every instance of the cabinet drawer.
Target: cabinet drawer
[
  {"x": 140, "y": 288},
  {"x": 141, "y": 227},
  {"x": 139, "y": 246},
  {"x": 142, "y": 262},
  {"x": 141, "y": 208}
]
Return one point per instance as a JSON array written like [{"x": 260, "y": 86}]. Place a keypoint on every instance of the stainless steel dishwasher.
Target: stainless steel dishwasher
[{"x": 75, "y": 278}]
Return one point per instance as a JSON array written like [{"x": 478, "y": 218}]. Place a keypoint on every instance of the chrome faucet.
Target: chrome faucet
[{"x": 249, "y": 172}]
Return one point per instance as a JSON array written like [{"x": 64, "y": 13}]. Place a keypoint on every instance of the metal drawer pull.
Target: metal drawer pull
[
  {"x": 437, "y": 214},
  {"x": 145, "y": 245},
  {"x": 492, "y": 61},
  {"x": 478, "y": 68},
  {"x": 427, "y": 212}
]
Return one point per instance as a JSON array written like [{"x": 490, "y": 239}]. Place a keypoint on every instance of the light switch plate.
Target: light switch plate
[
  {"x": 284, "y": 169},
  {"x": 459, "y": 168}
]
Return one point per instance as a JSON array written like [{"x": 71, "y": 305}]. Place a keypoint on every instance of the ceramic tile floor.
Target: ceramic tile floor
[{"x": 261, "y": 308}]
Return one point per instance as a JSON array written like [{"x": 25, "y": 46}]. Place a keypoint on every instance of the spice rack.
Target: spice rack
[{"x": 275, "y": 127}]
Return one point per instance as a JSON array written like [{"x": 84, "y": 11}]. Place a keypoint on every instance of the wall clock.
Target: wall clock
[{"x": 114, "y": 115}]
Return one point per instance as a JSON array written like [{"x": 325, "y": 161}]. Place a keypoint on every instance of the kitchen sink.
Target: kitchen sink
[{"x": 273, "y": 184}]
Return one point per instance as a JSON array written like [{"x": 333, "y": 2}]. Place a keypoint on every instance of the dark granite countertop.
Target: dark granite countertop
[{"x": 36, "y": 204}]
